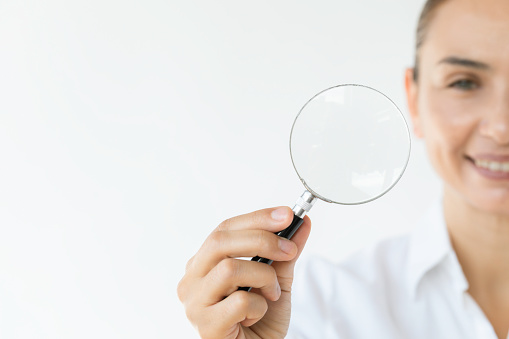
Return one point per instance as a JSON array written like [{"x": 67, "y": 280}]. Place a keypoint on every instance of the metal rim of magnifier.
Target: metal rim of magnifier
[{"x": 364, "y": 201}]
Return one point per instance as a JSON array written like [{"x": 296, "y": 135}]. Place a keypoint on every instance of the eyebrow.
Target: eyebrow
[{"x": 452, "y": 60}]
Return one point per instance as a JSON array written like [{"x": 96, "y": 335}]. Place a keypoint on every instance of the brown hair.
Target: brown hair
[{"x": 422, "y": 28}]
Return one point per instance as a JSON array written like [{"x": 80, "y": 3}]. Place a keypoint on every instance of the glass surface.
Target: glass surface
[{"x": 349, "y": 144}]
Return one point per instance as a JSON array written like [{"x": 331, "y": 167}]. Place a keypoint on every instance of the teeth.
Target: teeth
[{"x": 494, "y": 166}]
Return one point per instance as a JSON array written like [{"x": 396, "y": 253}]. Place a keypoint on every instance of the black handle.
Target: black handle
[{"x": 286, "y": 233}]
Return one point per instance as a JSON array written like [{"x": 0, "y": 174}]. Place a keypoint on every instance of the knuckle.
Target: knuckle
[
  {"x": 214, "y": 240},
  {"x": 225, "y": 224},
  {"x": 266, "y": 241},
  {"x": 189, "y": 263},
  {"x": 228, "y": 268},
  {"x": 219, "y": 239},
  {"x": 182, "y": 290},
  {"x": 261, "y": 238},
  {"x": 241, "y": 300},
  {"x": 272, "y": 274}
]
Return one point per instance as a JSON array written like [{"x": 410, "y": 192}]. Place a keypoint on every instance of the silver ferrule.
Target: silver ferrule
[{"x": 304, "y": 204}]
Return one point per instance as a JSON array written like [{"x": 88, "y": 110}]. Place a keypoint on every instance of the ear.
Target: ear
[{"x": 411, "y": 97}]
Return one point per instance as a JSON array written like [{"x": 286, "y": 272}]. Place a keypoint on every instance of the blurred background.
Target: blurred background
[{"x": 130, "y": 129}]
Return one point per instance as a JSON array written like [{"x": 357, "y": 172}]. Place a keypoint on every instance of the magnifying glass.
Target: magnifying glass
[{"x": 349, "y": 145}]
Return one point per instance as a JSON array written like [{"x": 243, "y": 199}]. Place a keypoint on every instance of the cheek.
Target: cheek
[
  {"x": 448, "y": 126},
  {"x": 448, "y": 122}
]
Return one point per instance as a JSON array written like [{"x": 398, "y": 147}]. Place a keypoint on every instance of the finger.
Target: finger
[
  {"x": 269, "y": 219},
  {"x": 240, "y": 307},
  {"x": 285, "y": 269},
  {"x": 247, "y": 243},
  {"x": 230, "y": 274}
]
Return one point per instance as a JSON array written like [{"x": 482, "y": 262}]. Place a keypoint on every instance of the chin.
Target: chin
[
  {"x": 484, "y": 190},
  {"x": 495, "y": 203}
]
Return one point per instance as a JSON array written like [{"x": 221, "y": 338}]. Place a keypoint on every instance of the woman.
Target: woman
[{"x": 449, "y": 278}]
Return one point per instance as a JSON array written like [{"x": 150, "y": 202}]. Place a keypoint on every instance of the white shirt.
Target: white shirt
[{"x": 407, "y": 287}]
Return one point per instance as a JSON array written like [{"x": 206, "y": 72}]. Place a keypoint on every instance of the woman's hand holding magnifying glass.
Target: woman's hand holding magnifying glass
[{"x": 209, "y": 288}]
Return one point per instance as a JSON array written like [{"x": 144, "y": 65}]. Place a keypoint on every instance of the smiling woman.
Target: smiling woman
[
  {"x": 447, "y": 279},
  {"x": 459, "y": 105}
]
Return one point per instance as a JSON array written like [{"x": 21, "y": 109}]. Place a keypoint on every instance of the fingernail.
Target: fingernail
[
  {"x": 278, "y": 290},
  {"x": 279, "y": 214},
  {"x": 286, "y": 245}
]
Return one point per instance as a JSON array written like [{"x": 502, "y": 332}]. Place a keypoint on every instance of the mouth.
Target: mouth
[{"x": 492, "y": 167}]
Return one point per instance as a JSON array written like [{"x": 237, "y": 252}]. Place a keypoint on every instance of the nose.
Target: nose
[{"x": 495, "y": 124}]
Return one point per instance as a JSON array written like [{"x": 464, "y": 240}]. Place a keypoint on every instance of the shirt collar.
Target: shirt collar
[{"x": 429, "y": 247}]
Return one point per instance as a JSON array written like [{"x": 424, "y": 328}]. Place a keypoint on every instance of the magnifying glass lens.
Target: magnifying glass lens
[{"x": 349, "y": 144}]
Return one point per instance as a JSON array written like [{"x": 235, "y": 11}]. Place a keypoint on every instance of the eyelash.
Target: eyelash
[{"x": 464, "y": 85}]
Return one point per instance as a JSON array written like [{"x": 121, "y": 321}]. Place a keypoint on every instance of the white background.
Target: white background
[{"x": 130, "y": 129}]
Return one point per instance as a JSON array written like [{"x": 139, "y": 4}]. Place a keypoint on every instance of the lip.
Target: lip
[
  {"x": 487, "y": 173},
  {"x": 490, "y": 157}
]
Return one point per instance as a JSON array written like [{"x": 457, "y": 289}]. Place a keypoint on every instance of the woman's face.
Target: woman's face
[{"x": 460, "y": 103}]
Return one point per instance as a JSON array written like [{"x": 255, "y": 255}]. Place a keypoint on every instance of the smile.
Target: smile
[
  {"x": 491, "y": 167},
  {"x": 494, "y": 166}
]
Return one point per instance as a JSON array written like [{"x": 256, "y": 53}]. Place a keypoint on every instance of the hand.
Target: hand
[{"x": 209, "y": 288}]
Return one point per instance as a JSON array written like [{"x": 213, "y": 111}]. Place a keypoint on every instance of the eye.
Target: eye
[{"x": 464, "y": 85}]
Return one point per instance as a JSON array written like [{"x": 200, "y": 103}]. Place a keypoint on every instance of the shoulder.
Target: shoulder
[{"x": 391, "y": 289}]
